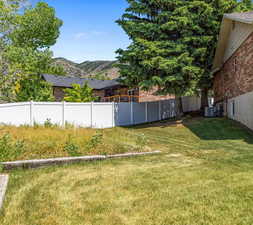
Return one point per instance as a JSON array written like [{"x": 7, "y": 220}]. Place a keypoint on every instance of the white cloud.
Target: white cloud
[{"x": 81, "y": 35}]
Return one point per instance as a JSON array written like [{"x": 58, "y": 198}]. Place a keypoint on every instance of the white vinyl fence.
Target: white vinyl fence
[{"x": 95, "y": 115}]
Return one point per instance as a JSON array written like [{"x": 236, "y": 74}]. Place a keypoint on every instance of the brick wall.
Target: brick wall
[{"x": 236, "y": 76}]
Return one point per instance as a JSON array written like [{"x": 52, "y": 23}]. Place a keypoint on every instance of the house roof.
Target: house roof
[
  {"x": 245, "y": 17},
  {"x": 67, "y": 82},
  {"x": 227, "y": 23}
]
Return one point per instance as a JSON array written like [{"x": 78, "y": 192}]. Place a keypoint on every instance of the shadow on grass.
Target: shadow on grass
[
  {"x": 219, "y": 129},
  {"x": 208, "y": 128}
]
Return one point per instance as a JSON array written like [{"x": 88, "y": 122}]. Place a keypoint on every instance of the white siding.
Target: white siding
[
  {"x": 238, "y": 35},
  {"x": 243, "y": 109}
]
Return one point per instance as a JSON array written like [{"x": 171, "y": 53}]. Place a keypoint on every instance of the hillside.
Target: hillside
[{"x": 89, "y": 68}]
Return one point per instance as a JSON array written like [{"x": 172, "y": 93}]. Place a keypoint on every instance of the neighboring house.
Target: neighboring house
[
  {"x": 105, "y": 90},
  {"x": 233, "y": 68}
]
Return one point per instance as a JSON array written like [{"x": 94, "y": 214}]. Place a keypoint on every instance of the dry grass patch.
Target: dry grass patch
[{"x": 18, "y": 143}]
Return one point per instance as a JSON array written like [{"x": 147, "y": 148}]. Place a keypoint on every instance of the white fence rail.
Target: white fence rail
[{"x": 95, "y": 115}]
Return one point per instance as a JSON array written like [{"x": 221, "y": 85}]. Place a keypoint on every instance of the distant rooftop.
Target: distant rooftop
[
  {"x": 244, "y": 17},
  {"x": 67, "y": 82}
]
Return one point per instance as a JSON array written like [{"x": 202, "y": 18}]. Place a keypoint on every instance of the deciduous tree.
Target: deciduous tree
[
  {"x": 79, "y": 94},
  {"x": 25, "y": 39}
]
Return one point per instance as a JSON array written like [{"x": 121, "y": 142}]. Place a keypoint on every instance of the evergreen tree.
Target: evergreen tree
[{"x": 173, "y": 43}]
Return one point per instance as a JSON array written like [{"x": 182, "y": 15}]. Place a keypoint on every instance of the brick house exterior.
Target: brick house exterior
[
  {"x": 106, "y": 91},
  {"x": 233, "y": 68},
  {"x": 235, "y": 78}
]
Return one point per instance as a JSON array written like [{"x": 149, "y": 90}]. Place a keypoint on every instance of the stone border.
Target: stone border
[
  {"x": 3, "y": 187},
  {"x": 27, "y": 164}
]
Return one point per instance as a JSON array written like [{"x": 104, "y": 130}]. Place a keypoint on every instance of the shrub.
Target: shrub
[
  {"x": 9, "y": 148},
  {"x": 95, "y": 140},
  {"x": 71, "y": 147}
]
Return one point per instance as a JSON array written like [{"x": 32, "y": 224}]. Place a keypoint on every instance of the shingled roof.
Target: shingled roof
[
  {"x": 225, "y": 31},
  {"x": 67, "y": 82}
]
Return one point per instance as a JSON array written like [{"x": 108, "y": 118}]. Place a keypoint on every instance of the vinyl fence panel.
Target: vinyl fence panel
[
  {"x": 168, "y": 109},
  {"x": 191, "y": 103},
  {"x": 15, "y": 114},
  {"x": 78, "y": 114},
  {"x": 153, "y": 111},
  {"x": 43, "y": 111},
  {"x": 139, "y": 113},
  {"x": 103, "y": 115},
  {"x": 96, "y": 115},
  {"x": 122, "y": 114}
]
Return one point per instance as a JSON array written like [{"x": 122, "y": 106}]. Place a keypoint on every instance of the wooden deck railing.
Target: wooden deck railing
[{"x": 121, "y": 98}]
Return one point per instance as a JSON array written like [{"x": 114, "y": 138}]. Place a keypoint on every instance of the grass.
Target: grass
[
  {"x": 203, "y": 177},
  {"x": 19, "y": 143}
]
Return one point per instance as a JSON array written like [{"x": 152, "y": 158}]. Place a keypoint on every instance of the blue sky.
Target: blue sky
[{"x": 89, "y": 31}]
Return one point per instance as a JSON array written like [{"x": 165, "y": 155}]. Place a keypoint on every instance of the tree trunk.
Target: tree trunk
[
  {"x": 204, "y": 100},
  {"x": 179, "y": 107}
]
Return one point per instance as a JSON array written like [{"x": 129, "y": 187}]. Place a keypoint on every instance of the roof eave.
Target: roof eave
[{"x": 233, "y": 18}]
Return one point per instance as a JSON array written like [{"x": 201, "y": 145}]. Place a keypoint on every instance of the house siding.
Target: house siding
[
  {"x": 138, "y": 95},
  {"x": 236, "y": 76},
  {"x": 240, "y": 108},
  {"x": 58, "y": 93},
  {"x": 233, "y": 85},
  {"x": 239, "y": 32}
]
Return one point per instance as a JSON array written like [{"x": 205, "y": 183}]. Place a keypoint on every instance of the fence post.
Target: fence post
[
  {"x": 63, "y": 113},
  {"x": 132, "y": 113},
  {"x": 113, "y": 114},
  {"x": 146, "y": 112},
  {"x": 160, "y": 114},
  {"x": 31, "y": 113},
  {"x": 91, "y": 114}
]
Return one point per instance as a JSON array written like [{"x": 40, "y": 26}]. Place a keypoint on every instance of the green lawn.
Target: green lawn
[{"x": 203, "y": 176}]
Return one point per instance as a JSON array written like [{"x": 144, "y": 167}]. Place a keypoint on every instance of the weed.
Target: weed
[
  {"x": 71, "y": 147},
  {"x": 48, "y": 123},
  {"x": 9, "y": 148},
  {"x": 141, "y": 141},
  {"x": 95, "y": 140},
  {"x": 69, "y": 125}
]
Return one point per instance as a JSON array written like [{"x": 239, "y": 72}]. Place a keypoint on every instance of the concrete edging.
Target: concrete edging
[
  {"x": 3, "y": 187},
  {"x": 26, "y": 164}
]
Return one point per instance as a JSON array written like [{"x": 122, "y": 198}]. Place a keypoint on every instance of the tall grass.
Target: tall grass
[{"x": 18, "y": 143}]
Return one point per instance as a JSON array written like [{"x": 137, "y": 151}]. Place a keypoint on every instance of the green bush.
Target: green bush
[
  {"x": 48, "y": 123},
  {"x": 95, "y": 140},
  {"x": 71, "y": 147},
  {"x": 9, "y": 148}
]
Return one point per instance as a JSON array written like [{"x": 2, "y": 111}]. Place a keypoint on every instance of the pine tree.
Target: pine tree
[{"x": 173, "y": 43}]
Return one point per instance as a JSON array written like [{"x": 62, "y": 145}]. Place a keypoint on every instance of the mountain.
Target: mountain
[{"x": 98, "y": 69}]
